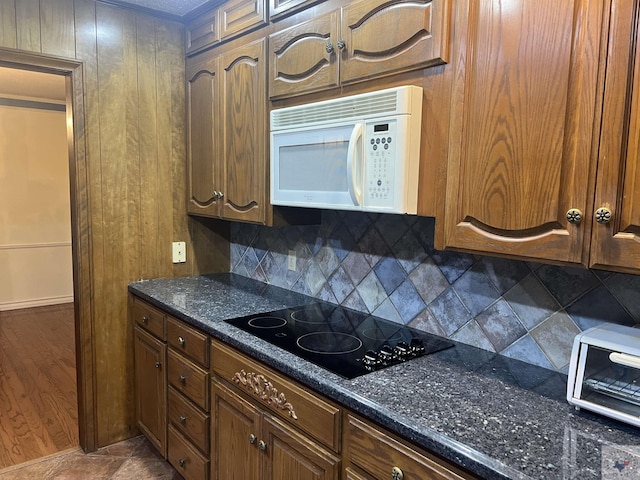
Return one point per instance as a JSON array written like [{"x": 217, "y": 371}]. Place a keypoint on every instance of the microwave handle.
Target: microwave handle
[{"x": 352, "y": 164}]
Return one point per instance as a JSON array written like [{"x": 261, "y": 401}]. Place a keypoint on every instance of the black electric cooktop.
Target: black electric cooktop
[{"x": 344, "y": 341}]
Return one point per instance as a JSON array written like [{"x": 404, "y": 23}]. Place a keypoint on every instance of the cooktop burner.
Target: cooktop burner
[{"x": 347, "y": 342}]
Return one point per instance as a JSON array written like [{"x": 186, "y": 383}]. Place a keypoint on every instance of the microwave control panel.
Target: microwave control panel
[{"x": 381, "y": 146}]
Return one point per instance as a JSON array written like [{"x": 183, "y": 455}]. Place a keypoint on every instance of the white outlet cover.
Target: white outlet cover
[{"x": 179, "y": 252}]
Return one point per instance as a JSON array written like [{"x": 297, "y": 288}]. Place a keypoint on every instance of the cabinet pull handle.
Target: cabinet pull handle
[
  {"x": 158, "y": 364},
  {"x": 262, "y": 446},
  {"x": 258, "y": 385},
  {"x": 603, "y": 215},
  {"x": 182, "y": 462},
  {"x": 182, "y": 379},
  {"x": 341, "y": 44},
  {"x": 397, "y": 473},
  {"x": 145, "y": 319},
  {"x": 329, "y": 47},
  {"x": 574, "y": 216},
  {"x": 252, "y": 439},
  {"x": 182, "y": 419},
  {"x": 181, "y": 341}
]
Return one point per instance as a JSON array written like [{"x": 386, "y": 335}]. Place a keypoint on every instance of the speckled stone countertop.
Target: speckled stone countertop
[{"x": 494, "y": 416}]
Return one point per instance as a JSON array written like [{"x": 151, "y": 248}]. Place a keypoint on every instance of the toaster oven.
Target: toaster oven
[{"x": 604, "y": 373}]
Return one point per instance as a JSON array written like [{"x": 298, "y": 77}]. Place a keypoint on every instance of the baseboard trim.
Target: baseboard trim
[{"x": 36, "y": 302}]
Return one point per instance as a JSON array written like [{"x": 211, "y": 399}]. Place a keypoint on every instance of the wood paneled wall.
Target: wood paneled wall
[{"x": 134, "y": 135}]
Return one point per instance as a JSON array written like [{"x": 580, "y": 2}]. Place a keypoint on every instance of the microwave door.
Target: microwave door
[{"x": 312, "y": 168}]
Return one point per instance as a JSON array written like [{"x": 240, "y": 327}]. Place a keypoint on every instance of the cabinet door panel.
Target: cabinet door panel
[
  {"x": 244, "y": 111},
  {"x": 290, "y": 455},
  {"x": 150, "y": 386},
  {"x": 238, "y": 16},
  {"x": 522, "y": 122},
  {"x": 299, "y": 59},
  {"x": 419, "y": 37},
  {"x": 617, "y": 244},
  {"x": 203, "y": 132},
  {"x": 233, "y": 456}
]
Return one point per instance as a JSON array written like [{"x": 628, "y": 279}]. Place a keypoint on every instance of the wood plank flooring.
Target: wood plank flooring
[{"x": 38, "y": 406}]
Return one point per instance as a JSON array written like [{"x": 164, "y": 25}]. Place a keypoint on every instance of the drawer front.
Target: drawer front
[
  {"x": 188, "y": 341},
  {"x": 189, "y": 379},
  {"x": 189, "y": 420},
  {"x": 238, "y": 16},
  {"x": 379, "y": 454},
  {"x": 149, "y": 318},
  {"x": 282, "y": 397},
  {"x": 189, "y": 463}
]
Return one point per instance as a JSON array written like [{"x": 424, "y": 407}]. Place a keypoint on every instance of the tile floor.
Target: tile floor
[{"x": 132, "y": 459}]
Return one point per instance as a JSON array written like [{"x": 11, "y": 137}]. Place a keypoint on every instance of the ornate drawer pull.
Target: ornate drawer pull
[
  {"x": 182, "y": 379},
  {"x": 182, "y": 462},
  {"x": 397, "y": 473},
  {"x": 264, "y": 390},
  {"x": 182, "y": 419},
  {"x": 181, "y": 341},
  {"x": 262, "y": 445}
]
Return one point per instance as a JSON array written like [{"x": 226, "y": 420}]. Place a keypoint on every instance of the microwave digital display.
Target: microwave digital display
[{"x": 383, "y": 127}]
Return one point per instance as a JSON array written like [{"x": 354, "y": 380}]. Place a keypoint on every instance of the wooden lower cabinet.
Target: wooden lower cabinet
[
  {"x": 151, "y": 388},
  {"x": 249, "y": 444}
]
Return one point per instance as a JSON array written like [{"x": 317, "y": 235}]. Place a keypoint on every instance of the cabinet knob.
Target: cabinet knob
[
  {"x": 215, "y": 194},
  {"x": 574, "y": 216},
  {"x": 341, "y": 44},
  {"x": 182, "y": 379},
  {"x": 181, "y": 341},
  {"x": 262, "y": 446},
  {"x": 182, "y": 419},
  {"x": 397, "y": 473},
  {"x": 145, "y": 319},
  {"x": 252, "y": 439},
  {"x": 182, "y": 462},
  {"x": 158, "y": 364},
  {"x": 603, "y": 215},
  {"x": 329, "y": 47},
  {"x": 220, "y": 195}
]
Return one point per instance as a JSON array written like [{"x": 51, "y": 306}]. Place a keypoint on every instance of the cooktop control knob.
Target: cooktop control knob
[
  {"x": 402, "y": 351},
  {"x": 371, "y": 360},
  {"x": 417, "y": 347},
  {"x": 385, "y": 354}
]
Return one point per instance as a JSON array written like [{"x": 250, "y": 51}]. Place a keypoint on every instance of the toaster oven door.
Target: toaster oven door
[{"x": 609, "y": 382}]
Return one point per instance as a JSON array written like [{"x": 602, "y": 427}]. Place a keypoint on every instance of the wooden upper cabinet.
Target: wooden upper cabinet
[
  {"x": 282, "y": 8},
  {"x": 203, "y": 130},
  {"x": 203, "y": 32},
  {"x": 522, "y": 126},
  {"x": 244, "y": 102},
  {"x": 615, "y": 243},
  {"x": 366, "y": 39},
  {"x": 300, "y": 60}
]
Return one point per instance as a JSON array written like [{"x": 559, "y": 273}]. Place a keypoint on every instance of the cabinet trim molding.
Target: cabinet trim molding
[{"x": 260, "y": 386}]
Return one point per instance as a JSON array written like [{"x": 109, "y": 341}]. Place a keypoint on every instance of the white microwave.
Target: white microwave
[{"x": 359, "y": 152}]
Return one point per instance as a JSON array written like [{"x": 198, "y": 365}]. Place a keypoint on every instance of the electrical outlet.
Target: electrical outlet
[
  {"x": 179, "y": 252},
  {"x": 291, "y": 260}
]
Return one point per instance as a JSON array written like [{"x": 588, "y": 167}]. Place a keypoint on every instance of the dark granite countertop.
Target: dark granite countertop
[{"x": 494, "y": 416}]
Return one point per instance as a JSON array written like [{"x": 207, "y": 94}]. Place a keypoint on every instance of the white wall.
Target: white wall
[{"x": 35, "y": 224}]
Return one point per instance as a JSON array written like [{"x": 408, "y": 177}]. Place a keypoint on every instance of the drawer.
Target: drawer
[
  {"x": 379, "y": 454},
  {"x": 189, "y": 379},
  {"x": 282, "y": 397},
  {"x": 203, "y": 32},
  {"x": 188, "y": 341},
  {"x": 186, "y": 459},
  {"x": 192, "y": 422},
  {"x": 149, "y": 318}
]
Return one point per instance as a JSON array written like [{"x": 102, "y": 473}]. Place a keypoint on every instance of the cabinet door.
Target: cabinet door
[
  {"x": 150, "y": 388},
  {"x": 238, "y": 16},
  {"x": 522, "y": 126},
  {"x": 203, "y": 130},
  {"x": 304, "y": 58},
  {"x": 234, "y": 451},
  {"x": 288, "y": 454},
  {"x": 616, "y": 244},
  {"x": 383, "y": 37},
  {"x": 245, "y": 127}
]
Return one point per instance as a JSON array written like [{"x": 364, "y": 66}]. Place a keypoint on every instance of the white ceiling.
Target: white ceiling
[
  {"x": 175, "y": 7},
  {"x": 24, "y": 83}
]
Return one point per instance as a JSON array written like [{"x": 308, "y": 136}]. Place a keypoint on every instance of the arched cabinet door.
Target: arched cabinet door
[
  {"x": 616, "y": 227},
  {"x": 203, "y": 157},
  {"x": 244, "y": 101},
  {"x": 521, "y": 154}
]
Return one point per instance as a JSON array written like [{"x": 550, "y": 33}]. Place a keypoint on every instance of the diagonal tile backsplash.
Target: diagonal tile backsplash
[{"x": 386, "y": 265}]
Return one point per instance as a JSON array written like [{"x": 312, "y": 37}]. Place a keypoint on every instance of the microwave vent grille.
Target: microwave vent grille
[{"x": 369, "y": 105}]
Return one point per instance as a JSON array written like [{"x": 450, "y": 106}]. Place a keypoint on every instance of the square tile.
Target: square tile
[
  {"x": 371, "y": 291},
  {"x": 598, "y": 307},
  {"x": 357, "y": 223},
  {"x": 503, "y": 273},
  {"x": 424, "y": 229},
  {"x": 407, "y": 301},
  {"x": 626, "y": 289},
  {"x": 341, "y": 284},
  {"x": 531, "y": 301},
  {"x": 475, "y": 290},
  {"x": 500, "y": 325},
  {"x": 428, "y": 280},
  {"x": 391, "y": 228},
  {"x": 387, "y": 310},
  {"x": 449, "y": 311},
  {"x": 390, "y": 274},
  {"x": 555, "y": 337},
  {"x": 426, "y": 322},
  {"x": 356, "y": 266},
  {"x": 472, "y": 334},
  {"x": 373, "y": 247},
  {"x": 409, "y": 252},
  {"x": 452, "y": 264},
  {"x": 341, "y": 241},
  {"x": 566, "y": 284},
  {"x": 314, "y": 277},
  {"x": 327, "y": 260},
  {"x": 354, "y": 300},
  {"x": 527, "y": 350}
]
